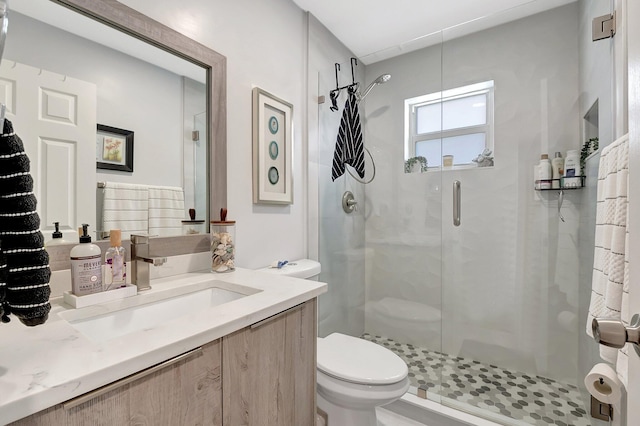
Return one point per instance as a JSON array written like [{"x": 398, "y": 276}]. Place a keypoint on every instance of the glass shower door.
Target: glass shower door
[
  {"x": 403, "y": 220},
  {"x": 510, "y": 266}
]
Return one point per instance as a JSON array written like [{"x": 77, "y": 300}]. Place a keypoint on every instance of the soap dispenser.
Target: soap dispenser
[
  {"x": 56, "y": 237},
  {"x": 86, "y": 265}
]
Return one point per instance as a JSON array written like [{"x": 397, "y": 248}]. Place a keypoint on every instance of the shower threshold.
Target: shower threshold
[{"x": 486, "y": 390}]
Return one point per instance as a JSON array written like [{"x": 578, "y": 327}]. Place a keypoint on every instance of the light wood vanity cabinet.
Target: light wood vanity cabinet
[
  {"x": 261, "y": 375},
  {"x": 184, "y": 390},
  {"x": 269, "y": 370}
]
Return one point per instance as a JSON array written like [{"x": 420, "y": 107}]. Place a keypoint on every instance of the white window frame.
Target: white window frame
[{"x": 412, "y": 104}]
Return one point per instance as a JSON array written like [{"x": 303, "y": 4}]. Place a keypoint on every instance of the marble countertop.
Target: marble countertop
[{"x": 49, "y": 364}]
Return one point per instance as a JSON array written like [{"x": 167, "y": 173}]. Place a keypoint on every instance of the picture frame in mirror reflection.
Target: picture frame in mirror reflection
[
  {"x": 272, "y": 149},
  {"x": 114, "y": 148}
]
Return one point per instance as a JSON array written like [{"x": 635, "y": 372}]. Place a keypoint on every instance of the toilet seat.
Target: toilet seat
[{"x": 359, "y": 361}]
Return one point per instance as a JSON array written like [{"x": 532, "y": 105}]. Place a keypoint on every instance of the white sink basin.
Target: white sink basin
[{"x": 150, "y": 310}]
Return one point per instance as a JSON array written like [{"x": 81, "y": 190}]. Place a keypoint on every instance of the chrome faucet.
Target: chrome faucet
[{"x": 140, "y": 261}]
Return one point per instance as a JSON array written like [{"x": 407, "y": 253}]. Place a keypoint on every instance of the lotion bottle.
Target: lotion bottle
[
  {"x": 557, "y": 168},
  {"x": 86, "y": 265},
  {"x": 115, "y": 266}
]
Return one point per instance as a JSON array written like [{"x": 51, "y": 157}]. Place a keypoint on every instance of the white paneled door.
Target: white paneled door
[{"x": 55, "y": 116}]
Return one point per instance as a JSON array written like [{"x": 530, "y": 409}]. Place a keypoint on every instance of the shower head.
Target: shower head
[{"x": 380, "y": 80}]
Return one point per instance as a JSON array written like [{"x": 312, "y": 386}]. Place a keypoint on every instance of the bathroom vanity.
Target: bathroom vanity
[{"x": 249, "y": 359}]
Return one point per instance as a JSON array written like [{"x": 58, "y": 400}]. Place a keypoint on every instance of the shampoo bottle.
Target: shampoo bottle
[
  {"x": 115, "y": 266},
  {"x": 557, "y": 168},
  {"x": 86, "y": 265},
  {"x": 544, "y": 170}
]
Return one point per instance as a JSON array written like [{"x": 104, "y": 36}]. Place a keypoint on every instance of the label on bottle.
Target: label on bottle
[
  {"x": 86, "y": 275},
  {"x": 115, "y": 273}
]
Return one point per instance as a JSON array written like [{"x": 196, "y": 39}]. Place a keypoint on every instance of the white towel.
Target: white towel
[
  {"x": 166, "y": 210},
  {"x": 126, "y": 207},
  {"x": 610, "y": 283}
]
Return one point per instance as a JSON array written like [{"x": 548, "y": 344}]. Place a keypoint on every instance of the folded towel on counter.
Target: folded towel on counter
[
  {"x": 349, "y": 146},
  {"x": 610, "y": 282},
  {"x": 125, "y": 206},
  {"x": 166, "y": 210},
  {"x": 24, "y": 264}
]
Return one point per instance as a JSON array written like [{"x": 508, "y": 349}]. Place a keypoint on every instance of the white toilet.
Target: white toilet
[{"x": 354, "y": 375}]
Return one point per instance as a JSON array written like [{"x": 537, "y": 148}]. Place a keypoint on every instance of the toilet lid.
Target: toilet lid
[{"x": 359, "y": 361}]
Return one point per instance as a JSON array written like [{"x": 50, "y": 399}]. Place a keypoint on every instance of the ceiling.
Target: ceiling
[{"x": 379, "y": 29}]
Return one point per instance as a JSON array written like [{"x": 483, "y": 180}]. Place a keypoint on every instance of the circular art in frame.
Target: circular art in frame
[
  {"x": 274, "y": 175},
  {"x": 273, "y": 150},
  {"x": 273, "y": 125}
]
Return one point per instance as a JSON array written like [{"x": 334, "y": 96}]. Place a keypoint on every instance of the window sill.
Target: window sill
[{"x": 458, "y": 167}]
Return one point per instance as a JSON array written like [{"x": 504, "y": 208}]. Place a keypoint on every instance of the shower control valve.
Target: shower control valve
[{"x": 349, "y": 203}]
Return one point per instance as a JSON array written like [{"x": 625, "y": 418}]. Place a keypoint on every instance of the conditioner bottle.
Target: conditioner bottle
[
  {"x": 557, "y": 168},
  {"x": 86, "y": 265}
]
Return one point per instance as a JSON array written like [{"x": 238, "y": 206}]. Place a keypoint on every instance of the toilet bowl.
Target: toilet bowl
[{"x": 354, "y": 376}]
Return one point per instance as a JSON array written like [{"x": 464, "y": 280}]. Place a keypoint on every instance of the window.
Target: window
[{"x": 456, "y": 122}]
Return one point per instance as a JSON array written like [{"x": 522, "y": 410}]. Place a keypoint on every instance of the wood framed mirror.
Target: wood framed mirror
[{"x": 133, "y": 23}]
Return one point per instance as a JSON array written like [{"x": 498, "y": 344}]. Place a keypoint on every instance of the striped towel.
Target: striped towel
[
  {"x": 349, "y": 147},
  {"x": 610, "y": 283},
  {"x": 125, "y": 206},
  {"x": 166, "y": 210}
]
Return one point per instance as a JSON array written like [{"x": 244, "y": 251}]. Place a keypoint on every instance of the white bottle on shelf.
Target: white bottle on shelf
[
  {"x": 572, "y": 170},
  {"x": 544, "y": 172},
  {"x": 572, "y": 164},
  {"x": 557, "y": 169}
]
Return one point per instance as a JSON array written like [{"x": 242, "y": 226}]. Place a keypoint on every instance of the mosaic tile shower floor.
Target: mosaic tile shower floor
[{"x": 530, "y": 399}]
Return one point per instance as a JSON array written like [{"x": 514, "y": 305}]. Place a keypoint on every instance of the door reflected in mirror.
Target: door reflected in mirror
[{"x": 62, "y": 75}]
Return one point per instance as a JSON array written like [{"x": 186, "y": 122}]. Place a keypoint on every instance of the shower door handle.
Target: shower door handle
[{"x": 456, "y": 203}]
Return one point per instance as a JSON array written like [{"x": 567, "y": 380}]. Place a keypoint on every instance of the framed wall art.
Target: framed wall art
[
  {"x": 272, "y": 154},
  {"x": 114, "y": 149}
]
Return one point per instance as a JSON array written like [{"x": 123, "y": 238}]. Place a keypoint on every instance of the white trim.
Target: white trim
[{"x": 410, "y": 124}]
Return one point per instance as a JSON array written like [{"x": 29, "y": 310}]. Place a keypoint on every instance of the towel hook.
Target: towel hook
[
  {"x": 333, "y": 95},
  {"x": 353, "y": 75}
]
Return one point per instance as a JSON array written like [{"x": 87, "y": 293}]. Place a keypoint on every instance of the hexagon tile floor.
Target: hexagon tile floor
[{"x": 525, "y": 398}]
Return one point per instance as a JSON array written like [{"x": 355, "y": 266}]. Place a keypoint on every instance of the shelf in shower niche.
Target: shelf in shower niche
[{"x": 573, "y": 182}]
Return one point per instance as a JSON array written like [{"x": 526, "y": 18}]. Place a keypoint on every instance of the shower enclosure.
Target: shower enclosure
[{"x": 489, "y": 314}]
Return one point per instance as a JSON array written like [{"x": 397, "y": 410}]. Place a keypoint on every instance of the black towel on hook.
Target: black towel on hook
[{"x": 349, "y": 146}]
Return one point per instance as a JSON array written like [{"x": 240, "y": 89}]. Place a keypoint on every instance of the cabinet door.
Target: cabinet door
[
  {"x": 110, "y": 408},
  {"x": 184, "y": 390},
  {"x": 185, "y": 393},
  {"x": 269, "y": 370}
]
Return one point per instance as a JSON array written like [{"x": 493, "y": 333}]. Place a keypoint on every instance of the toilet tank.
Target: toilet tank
[{"x": 303, "y": 268}]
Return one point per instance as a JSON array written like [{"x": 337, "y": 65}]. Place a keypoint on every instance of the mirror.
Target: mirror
[{"x": 135, "y": 76}]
